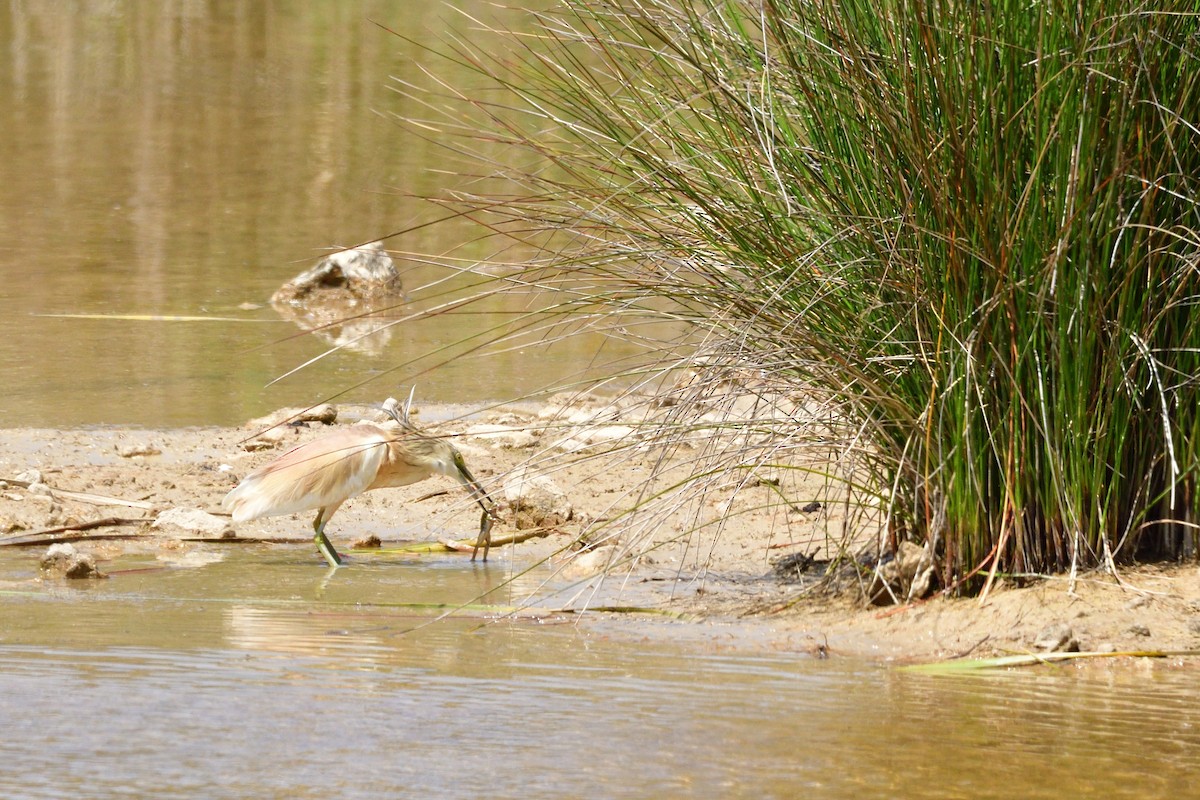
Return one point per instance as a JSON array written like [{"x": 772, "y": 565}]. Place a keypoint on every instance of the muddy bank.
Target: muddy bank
[{"x": 721, "y": 576}]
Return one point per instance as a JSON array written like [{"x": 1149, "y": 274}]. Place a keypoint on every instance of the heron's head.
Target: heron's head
[{"x": 450, "y": 462}]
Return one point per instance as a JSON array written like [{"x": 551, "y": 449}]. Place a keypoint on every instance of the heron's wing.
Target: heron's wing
[{"x": 321, "y": 473}]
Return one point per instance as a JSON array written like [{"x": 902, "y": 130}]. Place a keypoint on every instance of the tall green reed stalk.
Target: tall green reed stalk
[{"x": 970, "y": 225}]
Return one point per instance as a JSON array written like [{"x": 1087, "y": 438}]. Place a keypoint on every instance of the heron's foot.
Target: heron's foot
[
  {"x": 325, "y": 547},
  {"x": 485, "y": 535}
]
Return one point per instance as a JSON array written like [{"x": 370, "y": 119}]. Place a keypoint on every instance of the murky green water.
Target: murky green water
[
  {"x": 187, "y": 158},
  {"x": 261, "y": 675}
]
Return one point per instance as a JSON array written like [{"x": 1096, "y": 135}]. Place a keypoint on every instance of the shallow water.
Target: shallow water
[
  {"x": 163, "y": 162},
  {"x": 263, "y": 675}
]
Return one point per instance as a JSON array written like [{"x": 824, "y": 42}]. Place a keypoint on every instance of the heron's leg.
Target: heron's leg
[
  {"x": 485, "y": 535},
  {"x": 324, "y": 546}
]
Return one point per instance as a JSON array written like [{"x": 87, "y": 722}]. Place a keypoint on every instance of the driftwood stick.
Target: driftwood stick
[
  {"x": 456, "y": 545},
  {"x": 86, "y": 497},
  {"x": 516, "y": 537},
  {"x": 73, "y": 533},
  {"x": 246, "y": 539}
]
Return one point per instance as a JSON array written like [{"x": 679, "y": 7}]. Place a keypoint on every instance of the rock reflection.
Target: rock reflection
[{"x": 348, "y": 326}]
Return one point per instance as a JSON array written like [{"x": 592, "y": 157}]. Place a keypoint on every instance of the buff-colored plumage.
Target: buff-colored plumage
[{"x": 326, "y": 472}]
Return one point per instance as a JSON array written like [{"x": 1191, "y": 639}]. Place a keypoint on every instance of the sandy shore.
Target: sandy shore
[{"x": 720, "y": 576}]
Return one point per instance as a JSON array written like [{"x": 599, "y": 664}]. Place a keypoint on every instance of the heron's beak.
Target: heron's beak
[{"x": 476, "y": 490}]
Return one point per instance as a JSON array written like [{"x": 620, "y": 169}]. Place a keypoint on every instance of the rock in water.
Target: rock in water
[
  {"x": 63, "y": 560},
  {"x": 364, "y": 274}
]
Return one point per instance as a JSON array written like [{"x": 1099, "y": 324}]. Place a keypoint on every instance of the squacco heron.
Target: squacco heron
[{"x": 328, "y": 471}]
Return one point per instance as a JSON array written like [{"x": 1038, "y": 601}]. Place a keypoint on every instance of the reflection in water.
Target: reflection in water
[
  {"x": 343, "y": 327},
  {"x": 233, "y": 679},
  {"x": 302, "y": 633}
]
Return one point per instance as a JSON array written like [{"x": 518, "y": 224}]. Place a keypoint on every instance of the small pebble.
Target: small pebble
[
  {"x": 1139, "y": 630},
  {"x": 1057, "y": 637},
  {"x": 325, "y": 413},
  {"x": 192, "y": 521},
  {"x": 268, "y": 439},
  {"x": 29, "y": 476}
]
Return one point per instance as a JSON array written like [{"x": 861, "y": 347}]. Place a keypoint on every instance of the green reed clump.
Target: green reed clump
[{"x": 971, "y": 225}]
